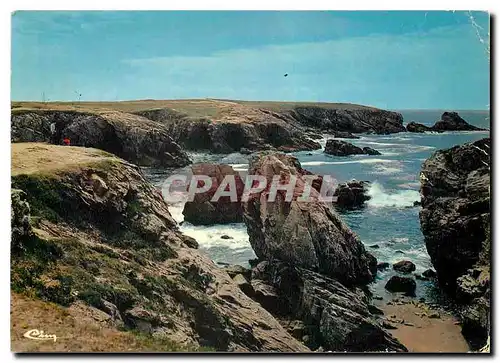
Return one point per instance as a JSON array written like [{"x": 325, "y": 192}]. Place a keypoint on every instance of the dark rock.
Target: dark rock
[
  {"x": 131, "y": 137},
  {"x": 370, "y": 151},
  {"x": 309, "y": 235},
  {"x": 387, "y": 325},
  {"x": 190, "y": 241},
  {"x": 420, "y": 277},
  {"x": 374, "y": 310},
  {"x": 351, "y": 119},
  {"x": 429, "y": 273},
  {"x": 400, "y": 252},
  {"x": 455, "y": 220},
  {"x": 202, "y": 211},
  {"x": 245, "y": 151},
  {"x": 401, "y": 284},
  {"x": 374, "y": 246},
  {"x": 404, "y": 266},
  {"x": 341, "y": 148},
  {"x": 267, "y": 296},
  {"x": 344, "y": 135},
  {"x": 416, "y": 127},
  {"x": 383, "y": 266},
  {"x": 417, "y": 203},
  {"x": 336, "y": 318},
  {"x": 434, "y": 315},
  {"x": 451, "y": 121},
  {"x": 351, "y": 195},
  {"x": 225, "y": 236}
]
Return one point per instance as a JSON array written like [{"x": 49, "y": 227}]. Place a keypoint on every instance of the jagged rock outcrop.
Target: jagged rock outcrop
[
  {"x": 451, "y": 121},
  {"x": 401, "y": 284},
  {"x": 330, "y": 315},
  {"x": 103, "y": 236},
  {"x": 128, "y": 136},
  {"x": 455, "y": 220},
  {"x": 354, "y": 119},
  {"x": 404, "y": 266},
  {"x": 343, "y": 148},
  {"x": 308, "y": 234},
  {"x": 235, "y": 128},
  {"x": 202, "y": 211},
  {"x": 416, "y": 127},
  {"x": 352, "y": 194}
]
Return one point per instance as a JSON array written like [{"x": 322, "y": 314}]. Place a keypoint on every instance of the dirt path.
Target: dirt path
[{"x": 422, "y": 329}]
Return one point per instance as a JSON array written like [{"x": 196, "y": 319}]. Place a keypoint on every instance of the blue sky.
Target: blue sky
[{"x": 397, "y": 60}]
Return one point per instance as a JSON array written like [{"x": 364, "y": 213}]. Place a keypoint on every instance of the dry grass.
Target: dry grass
[
  {"x": 193, "y": 107},
  {"x": 78, "y": 329},
  {"x": 30, "y": 157}
]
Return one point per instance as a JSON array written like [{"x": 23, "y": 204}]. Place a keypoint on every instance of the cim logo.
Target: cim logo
[{"x": 36, "y": 334}]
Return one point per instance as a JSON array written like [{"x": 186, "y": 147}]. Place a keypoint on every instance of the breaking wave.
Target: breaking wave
[{"x": 399, "y": 199}]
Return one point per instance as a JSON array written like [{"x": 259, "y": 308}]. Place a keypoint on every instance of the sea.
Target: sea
[{"x": 388, "y": 225}]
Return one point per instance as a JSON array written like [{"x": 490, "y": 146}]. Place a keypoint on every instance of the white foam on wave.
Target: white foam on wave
[
  {"x": 353, "y": 161},
  {"x": 210, "y": 236},
  {"x": 382, "y": 199},
  {"x": 387, "y": 169},
  {"x": 239, "y": 167}
]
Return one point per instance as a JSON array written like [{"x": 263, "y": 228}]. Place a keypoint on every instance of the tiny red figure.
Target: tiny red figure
[{"x": 66, "y": 141}]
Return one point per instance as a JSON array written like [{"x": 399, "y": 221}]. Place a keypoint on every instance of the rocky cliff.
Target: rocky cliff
[
  {"x": 450, "y": 121},
  {"x": 237, "y": 126},
  {"x": 129, "y": 136},
  {"x": 455, "y": 220},
  {"x": 88, "y": 229}
]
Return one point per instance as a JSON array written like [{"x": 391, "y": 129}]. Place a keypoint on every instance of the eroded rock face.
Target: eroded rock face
[
  {"x": 455, "y": 220},
  {"x": 332, "y": 316},
  {"x": 118, "y": 250},
  {"x": 354, "y": 120},
  {"x": 131, "y": 137},
  {"x": 236, "y": 128},
  {"x": 202, "y": 211},
  {"x": 451, "y": 121},
  {"x": 308, "y": 234},
  {"x": 343, "y": 148}
]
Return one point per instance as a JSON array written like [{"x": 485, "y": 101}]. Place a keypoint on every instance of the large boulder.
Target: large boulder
[
  {"x": 451, "y": 121},
  {"x": 333, "y": 317},
  {"x": 401, "y": 284},
  {"x": 104, "y": 238},
  {"x": 455, "y": 220},
  {"x": 416, "y": 127},
  {"x": 202, "y": 211},
  {"x": 309, "y": 233},
  {"x": 344, "y": 135},
  {"x": 343, "y": 148},
  {"x": 404, "y": 266},
  {"x": 131, "y": 137},
  {"x": 352, "y": 194}
]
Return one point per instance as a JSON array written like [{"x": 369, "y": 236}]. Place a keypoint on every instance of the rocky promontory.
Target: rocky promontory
[
  {"x": 88, "y": 229},
  {"x": 455, "y": 220},
  {"x": 131, "y": 137},
  {"x": 343, "y": 148},
  {"x": 450, "y": 121}
]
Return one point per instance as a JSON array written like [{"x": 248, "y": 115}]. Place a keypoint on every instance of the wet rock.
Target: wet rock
[
  {"x": 344, "y": 135},
  {"x": 190, "y": 241},
  {"x": 404, "y": 266},
  {"x": 429, "y": 273},
  {"x": 374, "y": 310},
  {"x": 401, "y": 284},
  {"x": 387, "y": 325},
  {"x": 202, "y": 211},
  {"x": 245, "y": 151},
  {"x": 370, "y": 151},
  {"x": 341, "y": 148},
  {"x": 374, "y": 246},
  {"x": 383, "y": 266},
  {"x": 451, "y": 121},
  {"x": 352, "y": 194},
  {"x": 225, "y": 236},
  {"x": 417, "y": 127}
]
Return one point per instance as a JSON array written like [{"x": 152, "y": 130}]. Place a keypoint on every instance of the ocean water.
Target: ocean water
[{"x": 389, "y": 220}]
